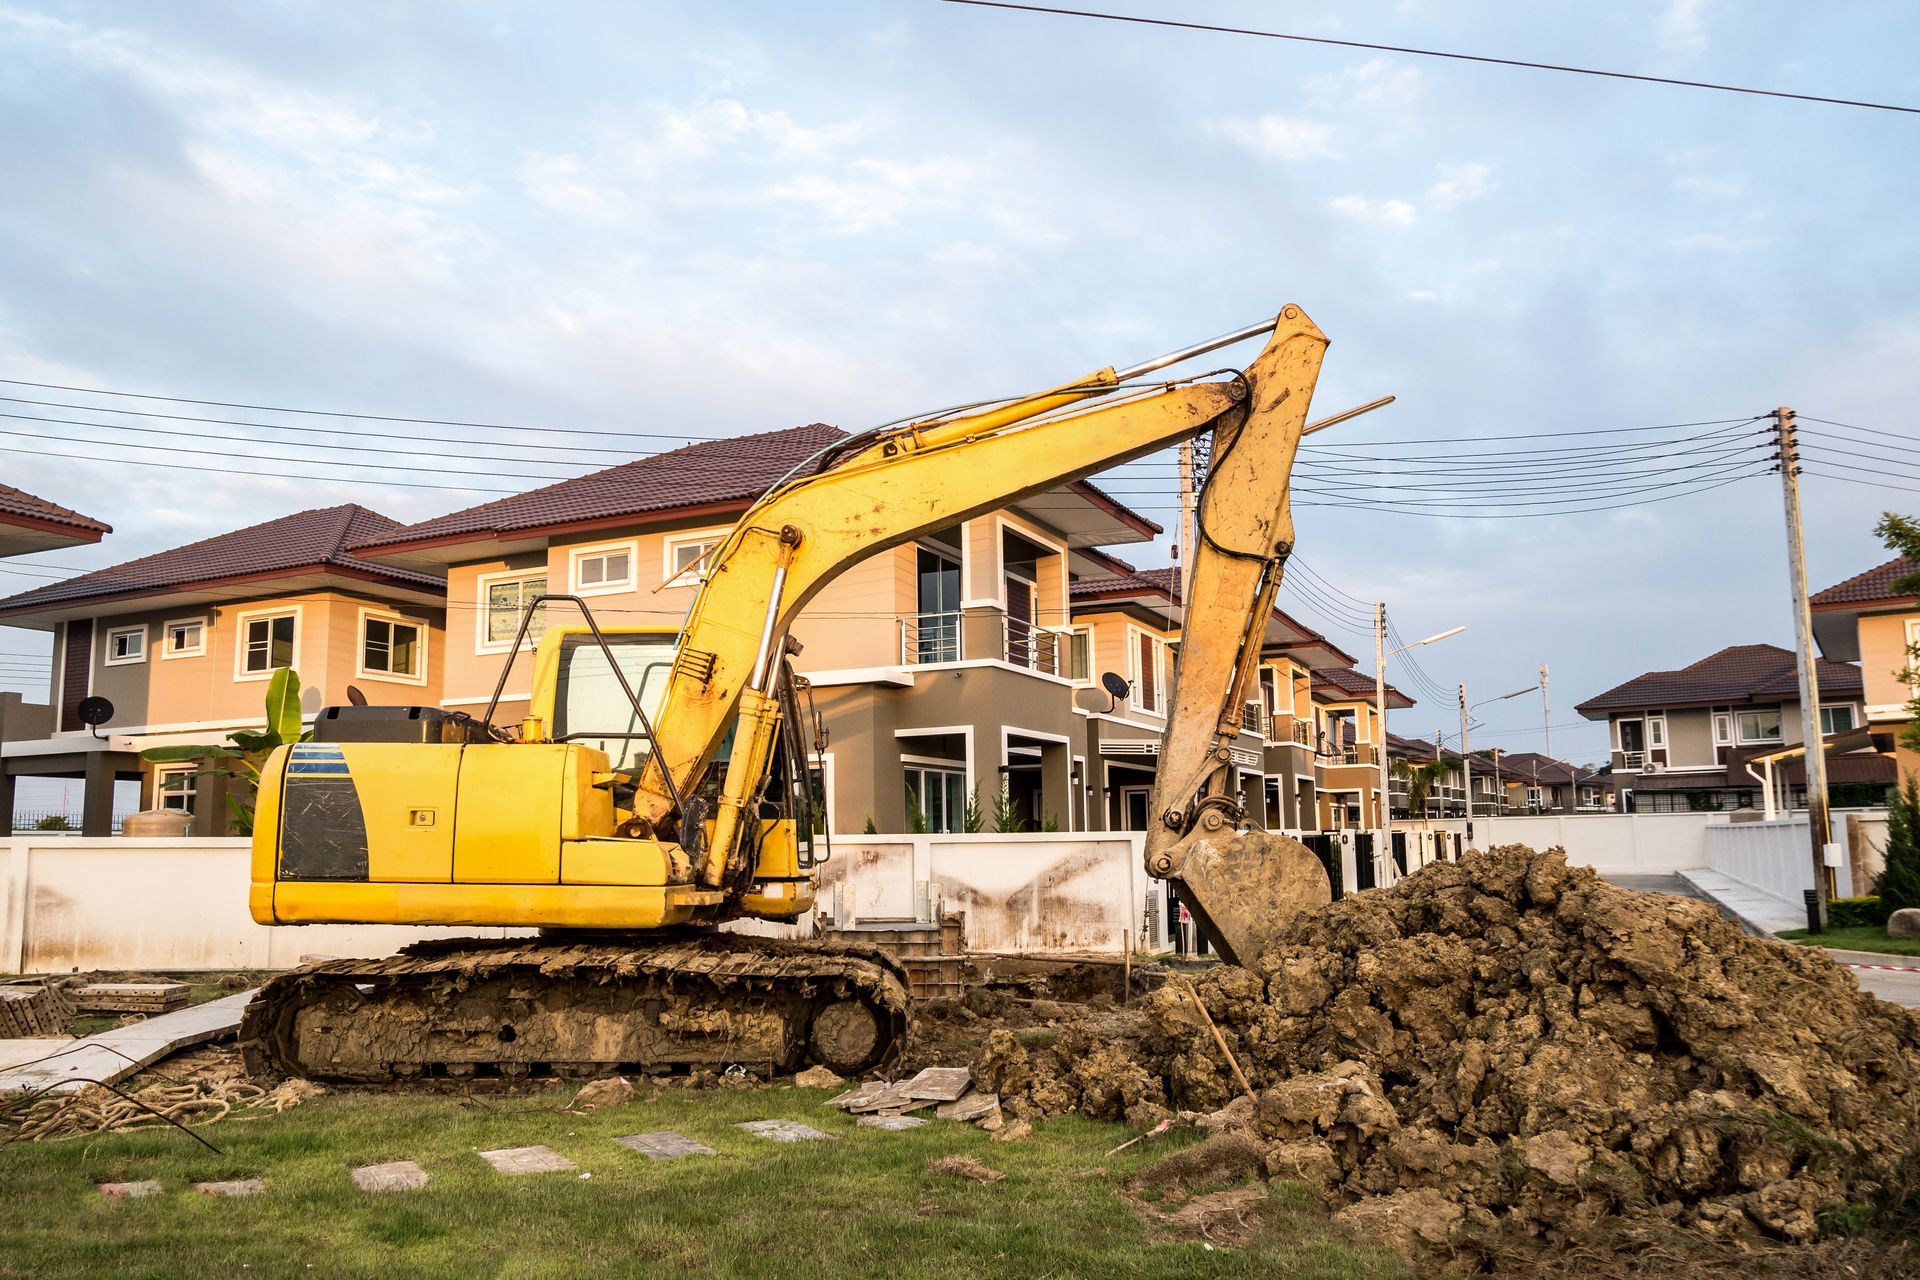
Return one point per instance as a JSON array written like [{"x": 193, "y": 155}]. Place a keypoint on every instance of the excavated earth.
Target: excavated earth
[{"x": 1507, "y": 1058}]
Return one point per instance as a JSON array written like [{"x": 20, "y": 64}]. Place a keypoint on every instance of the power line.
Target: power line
[
  {"x": 229, "y": 471},
  {"x": 1434, "y": 53}
]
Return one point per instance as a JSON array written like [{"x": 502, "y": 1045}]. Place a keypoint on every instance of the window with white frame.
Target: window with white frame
[
  {"x": 1759, "y": 726},
  {"x": 685, "y": 558},
  {"x": 503, "y": 598},
  {"x": 173, "y": 789},
  {"x": 1722, "y": 728},
  {"x": 183, "y": 638},
  {"x": 266, "y": 642},
  {"x": 126, "y": 646},
  {"x": 393, "y": 647},
  {"x": 940, "y": 795},
  {"x": 1077, "y": 653},
  {"x": 1656, "y": 731},
  {"x": 1835, "y": 720},
  {"x": 601, "y": 570}
]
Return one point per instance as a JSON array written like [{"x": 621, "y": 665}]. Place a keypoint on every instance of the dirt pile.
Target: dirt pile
[{"x": 1506, "y": 1049}]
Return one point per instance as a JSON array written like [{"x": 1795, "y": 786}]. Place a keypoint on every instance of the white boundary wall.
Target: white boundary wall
[
  {"x": 181, "y": 904},
  {"x": 173, "y": 904},
  {"x": 1776, "y": 857},
  {"x": 1050, "y": 893},
  {"x": 1647, "y": 844}
]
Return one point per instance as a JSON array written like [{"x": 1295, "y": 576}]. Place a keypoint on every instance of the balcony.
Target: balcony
[
  {"x": 927, "y": 638},
  {"x": 1351, "y": 755},
  {"x": 1630, "y": 761},
  {"x": 1303, "y": 733}
]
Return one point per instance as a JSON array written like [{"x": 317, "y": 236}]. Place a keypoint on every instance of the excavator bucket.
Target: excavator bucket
[{"x": 1242, "y": 885}]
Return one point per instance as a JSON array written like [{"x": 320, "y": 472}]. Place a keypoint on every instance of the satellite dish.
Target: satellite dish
[
  {"x": 356, "y": 697},
  {"x": 94, "y": 712},
  {"x": 1116, "y": 684}
]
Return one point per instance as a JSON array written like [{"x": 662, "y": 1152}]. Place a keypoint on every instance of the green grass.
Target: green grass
[
  {"x": 865, "y": 1205},
  {"x": 1864, "y": 937}
]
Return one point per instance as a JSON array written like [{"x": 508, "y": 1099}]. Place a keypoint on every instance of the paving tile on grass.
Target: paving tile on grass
[
  {"x": 858, "y": 1096},
  {"x": 396, "y": 1175},
  {"x": 784, "y": 1131},
  {"x": 940, "y": 1084},
  {"x": 665, "y": 1145},
  {"x": 972, "y": 1107},
  {"x": 129, "y": 1190},
  {"x": 893, "y": 1123},
  {"x": 519, "y": 1160},
  {"x": 232, "y": 1187}
]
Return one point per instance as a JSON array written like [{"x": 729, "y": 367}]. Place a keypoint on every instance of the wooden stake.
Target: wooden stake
[{"x": 1218, "y": 1038}]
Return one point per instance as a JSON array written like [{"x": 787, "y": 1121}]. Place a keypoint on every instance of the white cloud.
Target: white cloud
[
  {"x": 1390, "y": 213},
  {"x": 1278, "y": 137},
  {"x": 1460, "y": 183},
  {"x": 1682, "y": 27},
  {"x": 1376, "y": 83}
]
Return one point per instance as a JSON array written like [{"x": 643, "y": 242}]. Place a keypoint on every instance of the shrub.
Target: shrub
[
  {"x": 1899, "y": 885},
  {"x": 1853, "y": 913}
]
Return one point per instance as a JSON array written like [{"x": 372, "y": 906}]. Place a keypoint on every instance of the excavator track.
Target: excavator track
[{"x": 531, "y": 1008}]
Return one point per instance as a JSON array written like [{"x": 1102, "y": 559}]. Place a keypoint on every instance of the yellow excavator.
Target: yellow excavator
[{"x": 656, "y": 787}]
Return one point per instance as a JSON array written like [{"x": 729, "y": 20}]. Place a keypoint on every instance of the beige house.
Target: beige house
[
  {"x": 1348, "y": 740},
  {"x": 181, "y": 643},
  {"x": 1696, "y": 739},
  {"x": 1866, "y": 620}
]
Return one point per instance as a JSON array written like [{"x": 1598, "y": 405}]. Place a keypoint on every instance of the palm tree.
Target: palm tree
[{"x": 1419, "y": 779}]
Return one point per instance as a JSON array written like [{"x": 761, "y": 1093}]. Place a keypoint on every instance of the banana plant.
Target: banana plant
[{"x": 245, "y": 750}]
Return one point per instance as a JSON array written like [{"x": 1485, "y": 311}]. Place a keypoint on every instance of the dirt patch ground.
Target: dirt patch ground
[{"x": 1506, "y": 1060}]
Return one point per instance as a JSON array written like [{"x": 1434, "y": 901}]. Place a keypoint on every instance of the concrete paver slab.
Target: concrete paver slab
[
  {"x": 859, "y": 1096},
  {"x": 113, "y": 1055},
  {"x": 129, "y": 1190},
  {"x": 395, "y": 1175},
  {"x": 784, "y": 1131},
  {"x": 971, "y": 1107},
  {"x": 665, "y": 1144},
  {"x": 232, "y": 1188},
  {"x": 939, "y": 1084},
  {"x": 893, "y": 1123},
  {"x": 518, "y": 1160},
  {"x": 15, "y": 1053}
]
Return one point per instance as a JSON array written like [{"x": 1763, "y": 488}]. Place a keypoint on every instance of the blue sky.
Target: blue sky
[{"x": 686, "y": 220}]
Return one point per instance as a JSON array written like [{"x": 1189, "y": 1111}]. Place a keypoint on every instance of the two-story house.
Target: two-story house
[
  {"x": 1868, "y": 620},
  {"x": 1132, "y": 622},
  {"x": 1683, "y": 740},
  {"x": 29, "y": 525},
  {"x": 182, "y": 643},
  {"x": 1347, "y": 746},
  {"x": 1537, "y": 783}
]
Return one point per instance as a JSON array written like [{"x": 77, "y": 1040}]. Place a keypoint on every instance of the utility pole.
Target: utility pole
[
  {"x": 1187, "y": 521},
  {"x": 1819, "y": 824},
  {"x": 1466, "y": 765},
  {"x": 1546, "y": 713},
  {"x": 1383, "y": 856}
]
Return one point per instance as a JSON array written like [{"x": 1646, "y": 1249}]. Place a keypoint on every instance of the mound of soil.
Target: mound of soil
[{"x": 1509, "y": 1050}]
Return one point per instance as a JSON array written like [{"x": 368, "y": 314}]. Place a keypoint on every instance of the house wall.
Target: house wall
[
  {"x": 160, "y": 693},
  {"x": 1690, "y": 739},
  {"x": 1883, "y": 651}
]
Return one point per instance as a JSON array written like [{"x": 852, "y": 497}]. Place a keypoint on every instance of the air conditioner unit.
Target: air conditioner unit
[{"x": 1655, "y": 766}]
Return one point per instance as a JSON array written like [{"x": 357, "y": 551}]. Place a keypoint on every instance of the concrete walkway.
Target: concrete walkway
[
  {"x": 108, "y": 1056},
  {"x": 1761, "y": 912}
]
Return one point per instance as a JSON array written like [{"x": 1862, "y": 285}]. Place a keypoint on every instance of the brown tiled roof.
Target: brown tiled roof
[
  {"x": 738, "y": 469},
  {"x": 18, "y": 502},
  {"x": 712, "y": 473},
  {"x": 308, "y": 540},
  {"x": 1345, "y": 680},
  {"x": 1871, "y": 587},
  {"x": 1165, "y": 582},
  {"x": 1529, "y": 765},
  {"x": 1738, "y": 674}
]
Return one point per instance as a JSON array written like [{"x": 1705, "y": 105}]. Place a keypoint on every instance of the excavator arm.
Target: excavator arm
[{"x": 884, "y": 488}]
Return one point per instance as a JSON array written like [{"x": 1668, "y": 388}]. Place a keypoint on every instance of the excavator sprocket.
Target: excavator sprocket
[{"x": 537, "y": 1007}]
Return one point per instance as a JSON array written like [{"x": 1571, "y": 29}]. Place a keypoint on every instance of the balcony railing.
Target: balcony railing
[
  {"x": 1351, "y": 755},
  {"x": 1303, "y": 733},
  {"x": 929, "y": 637},
  {"x": 1026, "y": 644},
  {"x": 1633, "y": 761}
]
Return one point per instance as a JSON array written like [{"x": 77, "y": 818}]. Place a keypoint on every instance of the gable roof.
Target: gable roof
[
  {"x": 1164, "y": 583},
  {"x": 1741, "y": 673},
  {"x": 709, "y": 477},
  {"x": 308, "y": 541},
  {"x": 1872, "y": 587},
  {"x": 1532, "y": 765}
]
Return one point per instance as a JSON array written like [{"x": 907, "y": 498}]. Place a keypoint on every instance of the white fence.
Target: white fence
[
  {"x": 1646, "y": 844},
  {"x": 1041, "y": 894},
  {"x": 173, "y": 904},
  {"x": 72, "y": 903},
  {"x": 1775, "y": 857}
]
